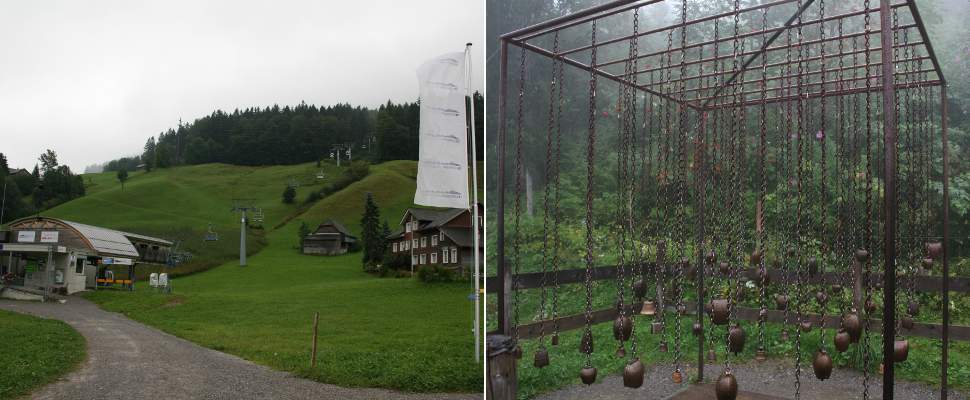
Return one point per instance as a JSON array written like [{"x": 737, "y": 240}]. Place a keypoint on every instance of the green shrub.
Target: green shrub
[{"x": 435, "y": 273}]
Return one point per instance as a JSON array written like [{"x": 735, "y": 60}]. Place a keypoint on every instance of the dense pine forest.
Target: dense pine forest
[{"x": 289, "y": 135}]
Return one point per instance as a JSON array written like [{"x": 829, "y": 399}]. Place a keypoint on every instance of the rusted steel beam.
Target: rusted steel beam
[
  {"x": 598, "y": 71},
  {"x": 676, "y": 26},
  {"x": 837, "y": 92},
  {"x": 584, "y": 19},
  {"x": 576, "y": 321},
  {"x": 808, "y": 73},
  {"x": 565, "y": 19},
  {"x": 533, "y": 280},
  {"x": 914, "y": 11},
  {"x": 774, "y": 64}
]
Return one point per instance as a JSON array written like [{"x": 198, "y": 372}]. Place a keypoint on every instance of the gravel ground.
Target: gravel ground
[
  {"x": 128, "y": 360},
  {"x": 774, "y": 377}
]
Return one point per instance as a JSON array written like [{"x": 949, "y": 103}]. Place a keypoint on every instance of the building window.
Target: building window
[
  {"x": 434, "y": 258},
  {"x": 394, "y": 247},
  {"x": 454, "y": 254},
  {"x": 79, "y": 267},
  {"x": 424, "y": 242},
  {"x": 444, "y": 256},
  {"x": 441, "y": 236},
  {"x": 414, "y": 243},
  {"x": 407, "y": 226},
  {"x": 434, "y": 241},
  {"x": 423, "y": 259},
  {"x": 414, "y": 259}
]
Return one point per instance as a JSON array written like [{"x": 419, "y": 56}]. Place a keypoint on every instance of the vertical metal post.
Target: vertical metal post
[
  {"x": 946, "y": 244},
  {"x": 889, "y": 199},
  {"x": 701, "y": 234},
  {"x": 504, "y": 274},
  {"x": 242, "y": 239},
  {"x": 474, "y": 205}
]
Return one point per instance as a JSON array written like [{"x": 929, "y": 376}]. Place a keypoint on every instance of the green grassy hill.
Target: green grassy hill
[
  {"x": 179, "y": 204},
  {"x": 374, "y": 332}
]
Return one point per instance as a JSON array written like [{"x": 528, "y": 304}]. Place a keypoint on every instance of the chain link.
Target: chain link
[
  {"x": 590, "y": 158},
  {"x": 517, "y": 240}
]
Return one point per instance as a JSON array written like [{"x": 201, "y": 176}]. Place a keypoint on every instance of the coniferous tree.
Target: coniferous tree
[
  {"x": 148, "y": 157},
  {"x": 371, "y": 231},
  {"x": 123, "y": 177},
  {"x": 289, "y": 194},
  {"x": 4, "y": 168}
]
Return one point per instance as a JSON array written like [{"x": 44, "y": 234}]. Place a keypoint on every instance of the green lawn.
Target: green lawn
[
  {"x": 391, "y": 333},
  {"x": 35, "y": 352}
]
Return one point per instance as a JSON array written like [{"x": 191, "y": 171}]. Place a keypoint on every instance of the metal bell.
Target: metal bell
[
  {"x": 656, "y": 328},
  {"x": 900, "y": 350},
  {"x": 633, "y": 374},
  {"x": 588, "y": 375},
  {"x": 663, "y": 347},
  {"x": 541, "y": 358},
  {"x": 806, "y": 326},
  {"x": 724, "y": 267},
  {"x": 555, "y": 339},
  {"x": 697, "y": 329},
  {"x": 862, "y": 255},
  {"x": 781, "y": 301},
  {"x": 853, "y": 325},
  {"x": 761, "y": 355},
  {"x": 822, "y": 365},
  {"x": 842, "y": 340},
  {"x": 912, "y": 308},
  {"x": 736, "y": 337},
  {"x": 677, "y": 377},
  {"x": 907, "y": 322},
  {"x": 649, "y": 308},
  {"x": 726, "y": 387},
  {"x": 721, "y": 310},
  {"x": 622, "y": 328}
]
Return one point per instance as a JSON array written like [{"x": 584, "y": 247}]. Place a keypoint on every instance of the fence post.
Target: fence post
[
  {"x": 313, "y": 353},
  {"x": 502, "y": 376}
]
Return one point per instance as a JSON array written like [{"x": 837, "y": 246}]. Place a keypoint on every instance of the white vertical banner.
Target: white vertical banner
[{"x": 443, "y": 152}]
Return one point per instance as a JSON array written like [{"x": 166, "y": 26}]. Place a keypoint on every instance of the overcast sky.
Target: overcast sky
[{"x": 92, "y": 80}]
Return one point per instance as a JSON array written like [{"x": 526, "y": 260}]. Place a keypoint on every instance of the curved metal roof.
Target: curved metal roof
[{"x": 105, "y": 240}]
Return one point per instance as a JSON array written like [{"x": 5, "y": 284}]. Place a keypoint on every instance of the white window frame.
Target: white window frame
[
  {"x": 414, "y": 243},
  {"x": 444, "y": 256},
  {"x": 454, "y": 255},
  {"x": 407, "y": 226},
  {"x": 394, "y": 247},
  {"x": 434, "y": 240},
  {"x": 423, "y": 259},
  {"x": 434, "y": 257},
  {"x": 441, "y": 236},
  {"x": 424, "y": 241},
  {"x": 414, "y": 259}
]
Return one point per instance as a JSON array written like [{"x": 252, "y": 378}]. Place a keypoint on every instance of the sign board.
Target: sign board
[
  {"x": 163, "y": 280},
  {"x": 48, "y": 237},
  {"x": 116, "y": 261},
  {"x": 26, "y": 236},
  {"x": 153, "y": 279}
]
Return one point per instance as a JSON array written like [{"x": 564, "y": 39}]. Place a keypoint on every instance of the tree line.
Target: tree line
[
  {"x": 289, "y": 135},
  {"x": 48, "y": 185}
]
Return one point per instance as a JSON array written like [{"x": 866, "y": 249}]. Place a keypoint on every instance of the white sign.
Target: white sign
[
  {"x": 443, "y": 153},
  {"x": 26, "y": 236},
  {"x": 115, "y": 261},
  {"x": 48, "y": 237},
  {"x": 153, "y": 279},
  {"x": 163, "y": 280}
]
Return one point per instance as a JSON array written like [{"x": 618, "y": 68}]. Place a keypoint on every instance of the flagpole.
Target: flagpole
[{"x": 474, "y": 204}]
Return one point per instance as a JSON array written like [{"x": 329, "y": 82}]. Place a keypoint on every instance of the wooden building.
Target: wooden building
[
  {"x": 437, "y": 237},
  {"x": 55, "y": 255},
  {"x": 330, "y": 238}
]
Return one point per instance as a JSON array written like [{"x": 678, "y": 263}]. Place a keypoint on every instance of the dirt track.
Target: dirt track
[{"x": 128, "y": 360}]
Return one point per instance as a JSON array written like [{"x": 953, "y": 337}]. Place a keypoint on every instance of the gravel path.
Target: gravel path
[
  {"x": 128, "y": 360},
  {"x": 774, "y": 377}
]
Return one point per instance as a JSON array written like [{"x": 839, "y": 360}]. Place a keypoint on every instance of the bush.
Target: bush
[
  {"x": 400, "y": 261},
  {"x": 312, "y": 197},
  {"x": 289, "y": 194},
  {"x": 435, "y": 273}
]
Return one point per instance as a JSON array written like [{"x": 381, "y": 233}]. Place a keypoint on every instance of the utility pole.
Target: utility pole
[
  {"x": 3, "y": 203},
  {"x": 242, "y": 205},
  {"x": 337, "y": 148}
]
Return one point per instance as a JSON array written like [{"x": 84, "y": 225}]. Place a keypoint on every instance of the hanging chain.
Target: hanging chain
[
  {"x": 516, "y": 243},
  {"x": 631, "y": 113},
  {"x": 590, "y": 158},
  {"x": 546, "y": 197},
  {"x": 762, "y": 154},
  {"x": 800, "y": 138},
  {"x": 868, "y": 188},
  {"x": 824, "y": 235},
  {"x": 557, "y": 211},
  {"x": 682, "y": 172}
]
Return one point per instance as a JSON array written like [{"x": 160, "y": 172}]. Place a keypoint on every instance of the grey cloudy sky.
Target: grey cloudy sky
[{"x": 93, "y": 80}]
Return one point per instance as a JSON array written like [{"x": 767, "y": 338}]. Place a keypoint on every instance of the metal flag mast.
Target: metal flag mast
[{"x": 474, "y": 204}]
